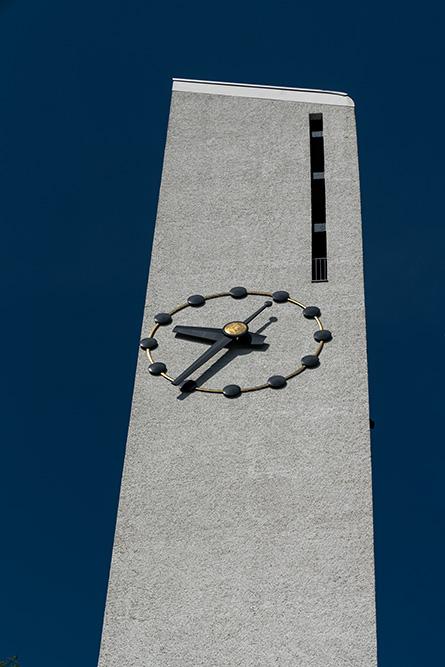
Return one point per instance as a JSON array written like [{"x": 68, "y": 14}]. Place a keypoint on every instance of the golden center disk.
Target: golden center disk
[{"x": 235, "y": 328}]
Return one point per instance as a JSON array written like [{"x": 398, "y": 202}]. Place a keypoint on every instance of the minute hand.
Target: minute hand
[
  {"x": 213, "y": 349},
  {"x": 267, "y": 304}
]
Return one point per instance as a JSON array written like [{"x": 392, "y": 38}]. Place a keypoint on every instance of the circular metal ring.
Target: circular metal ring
[{"x": 216, "y": 296}]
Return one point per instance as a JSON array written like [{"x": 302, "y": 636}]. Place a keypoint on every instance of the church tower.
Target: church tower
[{"x": 244, "y": 533}]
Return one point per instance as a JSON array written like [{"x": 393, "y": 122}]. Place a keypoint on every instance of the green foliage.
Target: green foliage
[{"x": 10, "y": 662}]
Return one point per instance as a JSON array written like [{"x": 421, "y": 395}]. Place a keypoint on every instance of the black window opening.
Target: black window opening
[{"x": 318, "y": 200}]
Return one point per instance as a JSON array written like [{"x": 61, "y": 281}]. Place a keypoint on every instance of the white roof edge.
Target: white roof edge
[
  {"x": 265, "y": 92},
  {"x": 253, "y": 85}
]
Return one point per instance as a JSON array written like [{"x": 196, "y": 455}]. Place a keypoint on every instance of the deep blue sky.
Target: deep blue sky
[{"x": 84, "y": 99}]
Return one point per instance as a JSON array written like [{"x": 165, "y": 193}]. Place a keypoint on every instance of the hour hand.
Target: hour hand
[
  {"x": 212, "y": 334},
  {"x": 206, "y": 333}
]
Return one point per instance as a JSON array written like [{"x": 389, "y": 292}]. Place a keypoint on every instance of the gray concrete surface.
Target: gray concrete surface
[{"x": 244, "y": 533}]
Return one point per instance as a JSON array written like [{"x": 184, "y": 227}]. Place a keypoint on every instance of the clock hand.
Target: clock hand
[
  {"x": 267, "y": 304},
  {"x": 206, "y": 333},
  {"x": 218, "y": 345},
  {"x": 212, "y": 334},
  {"x": 213, "y": 349}
]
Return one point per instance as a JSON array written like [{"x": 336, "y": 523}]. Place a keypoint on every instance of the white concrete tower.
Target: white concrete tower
[{"x": 244, "y": 533}]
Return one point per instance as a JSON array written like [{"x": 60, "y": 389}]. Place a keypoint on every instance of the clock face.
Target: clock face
[{"x": 234, "y": 342}]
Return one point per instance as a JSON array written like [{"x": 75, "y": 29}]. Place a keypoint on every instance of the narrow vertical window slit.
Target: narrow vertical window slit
[{"x": 318, "y": 199}]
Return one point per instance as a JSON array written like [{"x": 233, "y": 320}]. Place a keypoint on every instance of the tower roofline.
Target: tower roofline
[{"x": 316, "y": 96}]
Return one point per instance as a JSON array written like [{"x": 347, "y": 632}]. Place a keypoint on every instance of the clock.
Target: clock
[{"x": 234, "y": 333}]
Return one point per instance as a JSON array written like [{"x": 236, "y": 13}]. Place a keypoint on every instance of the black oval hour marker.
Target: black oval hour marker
[
  {"x": 148, "y": 343},
  {"x": 196, "y": 300},
  {"x": 238, "y": 293},
  {"x": 163, "y": 318},
  {"x": 322, "y": 335},
  {"x": 280, "y": 296},
  {"x": 311, "y": 311},
  {"x": 310, "y": 360},
  {"x": 188, "y": 385},
  {"x": 276, "y": 381},
  {"x": 232, "y": 390},
  {"x": 157, "y": 368}
]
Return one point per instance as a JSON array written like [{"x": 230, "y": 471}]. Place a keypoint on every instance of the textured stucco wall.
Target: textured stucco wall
[{"x": 244, "y": 532}]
